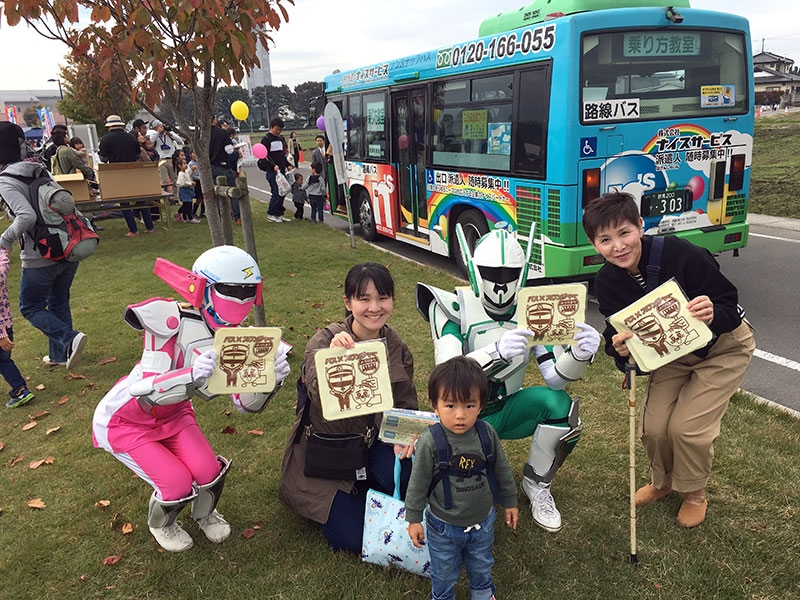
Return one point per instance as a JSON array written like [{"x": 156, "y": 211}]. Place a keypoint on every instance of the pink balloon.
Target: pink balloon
[
  {"x": 321, "y": 123},
  {"x": 260, "y": 151}
]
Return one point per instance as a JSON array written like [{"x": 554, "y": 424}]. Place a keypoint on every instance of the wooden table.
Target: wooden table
[{"x": 160, "y": 201}]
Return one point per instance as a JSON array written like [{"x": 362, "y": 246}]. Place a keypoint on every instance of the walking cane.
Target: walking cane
[{"x": 630, "y": 383}]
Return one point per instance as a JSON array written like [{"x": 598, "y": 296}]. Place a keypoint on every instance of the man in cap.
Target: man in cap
[
  {"x": 44, "y": 285},
  {"x": 119, "y": 146}
]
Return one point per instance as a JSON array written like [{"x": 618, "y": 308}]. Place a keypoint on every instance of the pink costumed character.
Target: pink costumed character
[{"x": 147, "y": 420}]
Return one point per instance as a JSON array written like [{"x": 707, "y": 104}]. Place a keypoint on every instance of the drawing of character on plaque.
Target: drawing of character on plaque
[
  {"x": 552, "y": 312},
  {"x": 367, "y": 392},
  {"x": 357, "y": 380},
  {"x": 663, "y": 330},
  {"x": 246, "y": 357}
]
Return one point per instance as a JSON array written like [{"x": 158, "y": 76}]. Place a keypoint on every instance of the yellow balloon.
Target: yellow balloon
[{"x": 239, "y": 110}]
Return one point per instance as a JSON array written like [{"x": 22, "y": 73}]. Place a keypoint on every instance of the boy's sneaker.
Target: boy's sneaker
[
  {"x": 22, "y": 396},
  {"x": 197, "y": 221},
  {"x": 75, "y": 350},
  {"x": 273, "y": 219},
  {"x": 178, "y": 218},
  {"x": 284, "y": 219},
  {"x": 52, "y": 363}
]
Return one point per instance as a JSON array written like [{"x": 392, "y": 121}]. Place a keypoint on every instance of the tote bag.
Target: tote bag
[{"x": 386, "y": 541}]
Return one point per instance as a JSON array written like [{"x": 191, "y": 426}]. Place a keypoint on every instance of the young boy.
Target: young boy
[
  {"x": 687, "y": 398},
  {"x": 299, "y": 196},
  {"x": 19, "y": 392},
  {"x": 460, "y": 519},
  {"x": 315, "y": 187}
]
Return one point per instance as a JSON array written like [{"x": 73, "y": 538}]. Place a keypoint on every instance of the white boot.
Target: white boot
[
  {"x": 172, "y": 538},
  {"x": 543, "y": 507},
  {"x": 163, "y": 524},
  {"x": 216, "y": 528}
]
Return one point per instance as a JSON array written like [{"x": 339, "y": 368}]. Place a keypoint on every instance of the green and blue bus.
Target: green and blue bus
[{"x": 553, "y": 105}]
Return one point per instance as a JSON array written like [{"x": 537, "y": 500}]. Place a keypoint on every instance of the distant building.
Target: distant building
[
  {"x": 774, "y": 73},
  {"x": 262, "y": 76},
  {"x": 26, "y": 98}
]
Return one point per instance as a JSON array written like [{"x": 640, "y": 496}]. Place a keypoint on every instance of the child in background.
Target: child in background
[
  {"x": 299, "y": 196},
  {"x": 315, "y": 187},
  {"x": 460, "y": 520},
  {"x": 185, "y": 193},
  {"x": 20, "y": 394},
  {"x": 199, "y": 209}
]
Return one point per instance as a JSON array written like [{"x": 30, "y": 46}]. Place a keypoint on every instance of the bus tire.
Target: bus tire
[
  {"x": 366, "y": 218},
  {"x": 475, "y": 227}
]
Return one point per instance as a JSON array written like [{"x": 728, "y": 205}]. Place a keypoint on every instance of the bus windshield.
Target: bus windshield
[{"x": 653, "y": 74}]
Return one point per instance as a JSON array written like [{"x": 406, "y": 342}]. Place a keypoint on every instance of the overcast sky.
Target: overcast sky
[{"x": 306, "y": 48}]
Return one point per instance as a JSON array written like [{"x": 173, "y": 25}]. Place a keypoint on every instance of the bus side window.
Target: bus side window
[{"x": 530, "y": 137}]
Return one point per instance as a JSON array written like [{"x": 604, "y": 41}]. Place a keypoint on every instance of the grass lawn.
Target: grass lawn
[
  {"x": 747, "y": 549},
  {"x": 775, "y": 176}
]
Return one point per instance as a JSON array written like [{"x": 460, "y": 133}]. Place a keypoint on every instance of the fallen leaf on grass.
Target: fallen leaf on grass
[
  {"x": 39, "y": 415},
  {"x": 38, "y": 463},
  {"x": 1, "y": 510},
  {"x": 40, "y": 387},
  {"x": 52, "y": 430},
  {"x": 16, "y": 459},
  {"x": 105, "y": 361},
  {"x": 226, "y": 412},
  {"x": 290, "y": 274},
  {"x": 111, "y": 560},
  {"x": 127, "y": 528},
  {"x": 2, "y": 445},
  {"x": 63, "y": 400},
  {"x": 229, "y": 429},
  {"x": 30, "y": 425},
  {"x": 658, "y": 586},
  {"x": 248, "y": 533},
  {"x": 103, "y": 503},
  {"x": 76, "y": 376},
  {"x": 37, "y": 503},
  {"x": 258, "y": 525},
  {"x": 256, "y": 432}
]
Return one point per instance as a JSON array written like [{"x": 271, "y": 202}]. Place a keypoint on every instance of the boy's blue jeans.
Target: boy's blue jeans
[{"x": 450, "y": 547}]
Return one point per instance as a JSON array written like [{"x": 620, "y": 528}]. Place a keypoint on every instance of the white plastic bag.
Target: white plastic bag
[{"x": 283, "y": 183}]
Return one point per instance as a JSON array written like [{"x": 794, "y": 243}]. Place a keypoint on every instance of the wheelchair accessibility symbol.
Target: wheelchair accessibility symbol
[{"x": 588, "y": 147}]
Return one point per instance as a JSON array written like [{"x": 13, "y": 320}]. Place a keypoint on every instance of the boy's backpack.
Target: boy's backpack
[
  {"x": 61, "y": 232},
  {"x": 446, "y": 469}
]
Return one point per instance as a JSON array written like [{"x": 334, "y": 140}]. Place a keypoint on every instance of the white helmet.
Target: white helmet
[
  {"x": 233, "y": 285},
  {"x": 497, "y": 269}
]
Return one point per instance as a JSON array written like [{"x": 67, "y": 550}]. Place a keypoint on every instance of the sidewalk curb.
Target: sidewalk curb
[{"x": 774, "y": 222}]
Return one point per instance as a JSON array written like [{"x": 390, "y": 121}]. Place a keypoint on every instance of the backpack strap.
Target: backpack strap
[
  {"x": 654, "y": 263},
  {"x": 488, "y": 453},
  {"x": 445, "y": 469},
  {"x": 443, "y": 458}
]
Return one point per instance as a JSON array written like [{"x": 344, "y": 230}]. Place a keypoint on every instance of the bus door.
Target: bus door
[{"x": 408, "y": 147}]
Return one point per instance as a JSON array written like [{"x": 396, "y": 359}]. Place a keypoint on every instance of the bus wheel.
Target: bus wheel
[
  {"x": 365, "y": 217},
  {"x": 475, "y": 227}
]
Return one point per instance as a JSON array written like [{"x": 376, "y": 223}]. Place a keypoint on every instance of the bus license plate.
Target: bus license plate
[{"x": 664, "y": 203}]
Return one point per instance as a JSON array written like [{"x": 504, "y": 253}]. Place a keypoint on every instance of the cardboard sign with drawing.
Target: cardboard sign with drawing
[
  {"x": 354, "y": 382},
  {"x": 246, "y": 359},
  {"x": 552, "y": 312},
  {"x": 662, "y": 328}
]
